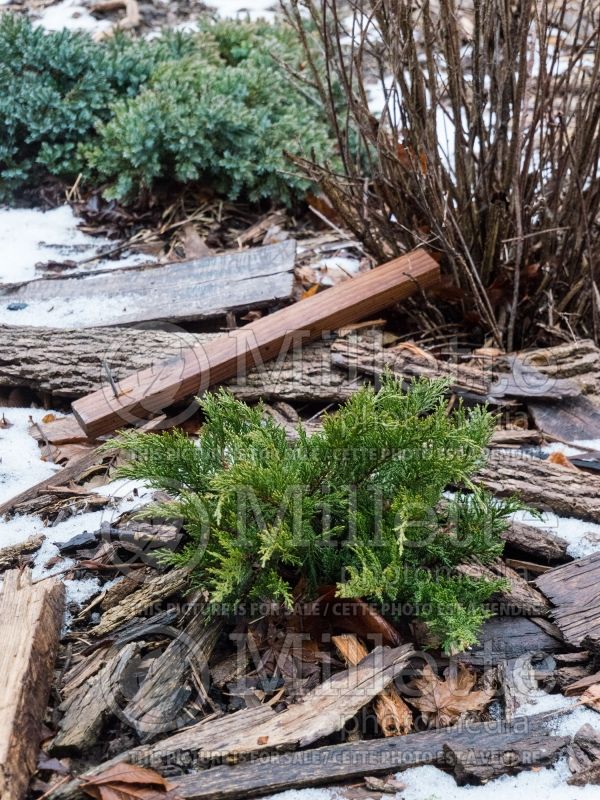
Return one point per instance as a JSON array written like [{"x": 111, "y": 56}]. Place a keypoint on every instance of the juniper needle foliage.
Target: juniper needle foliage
[{"x": 360, "y": 503}]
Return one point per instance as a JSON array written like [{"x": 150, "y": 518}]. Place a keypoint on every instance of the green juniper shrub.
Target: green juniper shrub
[
  {"x": 360, "y": 503},
  {"x": 212, "y": 106}
]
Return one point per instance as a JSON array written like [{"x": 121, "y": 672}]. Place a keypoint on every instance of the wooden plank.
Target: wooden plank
[
  {"x": 151, "y": 391},
  {"x": 574, "y": 590},
  {"x": 203, "y": 288},
  {"x": 30, "y": 621}
]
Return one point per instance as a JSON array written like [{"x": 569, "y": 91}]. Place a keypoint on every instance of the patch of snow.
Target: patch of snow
[
  {"x": 29, "y": 236},
  {"x": 583, "y": 537},
  {"x": 70, "y": 15},
  {"x": 254, "y": 9},
  {"x": 79, "y": 591},
  {"x": 334, "y": 269},
  {"x": 20, "y": 462},
  {"x": 541, "y": 702},
  {"x": 72, "y": 312}
]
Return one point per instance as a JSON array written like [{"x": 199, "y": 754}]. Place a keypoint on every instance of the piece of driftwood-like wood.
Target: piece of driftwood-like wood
[
  {"x": 30, "y": 621},
  {"x": 154, "y": 709},
  {"x": 472, "y": 764},
  {"x": 536, "y": 543},
  {"x": 542, "y": 484},
  {"x": 574, "y": 591},
  {"x": 571, "y": 419},
  {"x": 151, "y": 391},
  {"x": 203, "y": 288},
  {"x": 343, "y": 762},
  {"x": 518, "y": 598},
  {"x": 73, "y": 363},
  {"x": 11, "y": 555},
  {"x": 506, "y": 638},
  {"x": 579, "y": 361},
  {"x": 245, "y": 733},
  {"x": 88, "y": 707},
  {"x": 157, "y": 588}
]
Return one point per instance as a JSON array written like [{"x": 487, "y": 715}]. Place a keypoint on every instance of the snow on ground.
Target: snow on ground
[
  {"x": 20, "y": 463},
  {"x": 70, "y": 15},
  {"x": 32, "y": 236}
]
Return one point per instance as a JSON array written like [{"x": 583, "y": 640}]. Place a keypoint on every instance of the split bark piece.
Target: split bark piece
[
  {"x": 320, "y": 713},
  {"x": 163, "y": 694},
  {"x": 151, "y": 391},
  {"x": 569, "y": 420},
  {"x": 11, "y": 555},
  {"x": 573, "y": 590},
  {"x": 363, "y": 356},
  {"x": 200, "y": 289},
  {"x": 542, "y": 484},
  {"x": 506, "y": 638},
  {"x": 519, "y": 598},
  {"x": 30, "y": 620},
  {"x": 349, "y": 761},
  {"x": 87, "y": 709},
  {"x": 582, "y": 684},
  {"x": 72, "y": 363},
  {"x": 536, "y": 543},
  {"x": 63, "y": 430},
  {"x": 393, "y": 715},
  {"x": 584, "y": 757},
  {"x": 472, "y": 764},
  {"x": 517, "y": 681},
  {"x": 579, "y": 361},
  {"x": 155, "y": 589}
]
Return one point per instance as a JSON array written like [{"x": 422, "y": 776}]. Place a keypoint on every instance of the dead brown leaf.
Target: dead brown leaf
[
  {"x": 128, "y": 782},
  {"x": 562, "y": 460},
  {"x": 443, "y": 701}
]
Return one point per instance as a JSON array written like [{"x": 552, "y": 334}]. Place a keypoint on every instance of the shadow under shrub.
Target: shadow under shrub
[
  {"x": 212, "y": 107},
  {"x": 359, "y": 504}
]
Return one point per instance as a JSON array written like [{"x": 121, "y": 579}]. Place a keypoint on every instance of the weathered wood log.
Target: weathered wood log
[
  {"x": 472, "y": 764},
  {"x": 73, "y": 363},
  {"x": 151, "y": 391},
  {"x": 584, "y": 757},
  {"x": 471, "y": 383},
  {"x": 203, "y": 288},
  {"x": 536, "y": 543},
  {"x": 158, "y": 588},
  {"x": 30, "y": 621},
  {"x": 542, "y": 484},
  {"x": 261, "y": 729},
  {"x": 344, "y": 762},
  {"x": 162, "y": 696},
  {"x": 87, "y": 709},
  {"x": 573, "y": 590},
  {"x": 579, "y": 361}
]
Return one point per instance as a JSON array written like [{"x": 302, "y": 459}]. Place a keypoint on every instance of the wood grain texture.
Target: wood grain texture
[
  {"x": 30, "y": 621},
  {"x": 321, "y": 712},
  {"x": 71, "y": 363},
  {"x": 203, "y": 288},
  {"x": 151, "y": 391},
  {"x": 542, "y": 484},
  {"x": 574, "y": 590}
]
